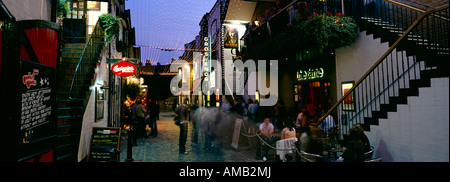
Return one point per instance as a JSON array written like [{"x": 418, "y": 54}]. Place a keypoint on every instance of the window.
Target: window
[{"x": 93, "y": 5}]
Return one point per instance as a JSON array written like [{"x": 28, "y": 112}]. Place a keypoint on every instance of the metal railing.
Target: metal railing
[
  {"x": 390, "y": 13},
  {"x": 85, "y": 68},
  {"x": 426, "y": 39},
  {"x": 287, "y": 16}
]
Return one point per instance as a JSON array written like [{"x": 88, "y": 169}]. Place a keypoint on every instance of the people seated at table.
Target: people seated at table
[
  {"x": 354, "y": 151},
  {"x": 363, "y": 137},
  {"x": 266, "y": 128},
  {"x": 289, "y": 131},
  {"x": 288, "y": 140}
]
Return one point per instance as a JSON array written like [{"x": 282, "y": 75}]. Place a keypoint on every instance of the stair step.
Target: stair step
[
  {"x": 379, "y": 114},
  {"x": 398, "y": 100},
  {"x": 433, "y": 55},
  {"x": 75, "y": 45},
  {"x": 70, "y": 55},
  {"x": 369, "y": 121},
  {"x": 409, "y": 91},
  {"x": 72, "y": 50},
  {"x": 388, "y": 107}
]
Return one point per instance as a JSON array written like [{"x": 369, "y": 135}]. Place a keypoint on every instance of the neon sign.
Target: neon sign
[{"x": 310, "y": 74}]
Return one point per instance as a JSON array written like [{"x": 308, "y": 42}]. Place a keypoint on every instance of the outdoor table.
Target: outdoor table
[{"x": 285, "y": 146}]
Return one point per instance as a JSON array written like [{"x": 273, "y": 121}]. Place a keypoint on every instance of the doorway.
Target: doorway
[
  {"x": 74, "y": 24},
  {"x": 314, "y": 96}
]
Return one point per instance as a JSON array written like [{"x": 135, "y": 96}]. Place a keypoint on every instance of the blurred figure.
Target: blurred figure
[
  {"x": 138, "y": 116},
  {"x": 209, "y": 126},
  {"x": 183, "y": 111},
  {"x": 226, "y": 106},
  {"x": 280, "y": 115},
  {"x": 354, "y": 151},
  {"x": 237, "y": 108},
  {"x": 249, "y": 110},
  {"x": 310, "y": 140},
  {"x": 127, "y": 114},
  {"x": 328, "y": 123},
  {"x": 301, "y": 122},
  {"x": 255, "y": 107},
  {"x": 153, "y": 107},
  {"x": 195, "y": 124}
]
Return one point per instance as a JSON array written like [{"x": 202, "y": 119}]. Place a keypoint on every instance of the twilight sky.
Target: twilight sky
[{"x": 167, "y": 24}]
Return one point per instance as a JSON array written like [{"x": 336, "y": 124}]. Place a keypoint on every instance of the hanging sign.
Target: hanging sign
[{"x": 123, "y": 69}]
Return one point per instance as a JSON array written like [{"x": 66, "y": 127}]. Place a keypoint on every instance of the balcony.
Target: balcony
[{"x": 311, "y": 23}]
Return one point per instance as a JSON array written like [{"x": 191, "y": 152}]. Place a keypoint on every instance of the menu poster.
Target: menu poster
[
  {"x": 37, "y": 114},
  {"x": 104, "y": 145}
]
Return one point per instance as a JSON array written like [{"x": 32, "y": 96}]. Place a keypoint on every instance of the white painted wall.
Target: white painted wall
[
  {"x": 29, "y": 9},
  {"x": 102, "y": 77},
  {"x": 89, "y": 114},
  {"x": 352, "y": 62},
  {"x": 418, "y": 131},
  {"x": 92, "y": 15}
]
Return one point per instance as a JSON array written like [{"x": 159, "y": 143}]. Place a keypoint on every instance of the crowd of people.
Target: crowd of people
[
  {"x": 270, "y": 123},
  {"x": 140, "y": 113}
]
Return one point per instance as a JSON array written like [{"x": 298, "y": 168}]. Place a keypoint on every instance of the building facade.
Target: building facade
[
  {"x": 82, "y": 92},
  {"x": 377, "y": 81}
]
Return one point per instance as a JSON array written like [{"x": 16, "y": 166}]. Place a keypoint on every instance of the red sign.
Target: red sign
[
  {"x": 29, "y": 79},
  {"x": 123, "y": 69}
]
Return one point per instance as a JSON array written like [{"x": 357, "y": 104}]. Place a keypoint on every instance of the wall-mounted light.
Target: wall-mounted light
[{"x": 257, "y": 95}]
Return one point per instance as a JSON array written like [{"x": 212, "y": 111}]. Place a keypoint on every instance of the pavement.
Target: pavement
[{"x": 164, "y": 147}]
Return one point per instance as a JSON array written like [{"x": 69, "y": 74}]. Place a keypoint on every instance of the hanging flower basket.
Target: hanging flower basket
[
  {"x": 321, "y": 31},
  {"x": 110, "y": 25},
  {"x": 329, "y": 30}
]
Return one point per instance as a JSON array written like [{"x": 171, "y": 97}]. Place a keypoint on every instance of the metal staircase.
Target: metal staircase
[
  {"x": 78, "y": 63},
  {"x": 418, "y": 52}
]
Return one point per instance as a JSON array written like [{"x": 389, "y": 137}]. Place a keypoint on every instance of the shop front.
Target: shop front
[{"x": 315, "y": 86}]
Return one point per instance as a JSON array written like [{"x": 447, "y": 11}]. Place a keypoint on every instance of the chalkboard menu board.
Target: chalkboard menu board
[
  {"x": 104, "y": 143},
  {"x": 37, "y": 101},
  {"x": 28, "y": 88}
]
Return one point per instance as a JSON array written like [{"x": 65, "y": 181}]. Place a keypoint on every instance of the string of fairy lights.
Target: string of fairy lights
[{"x": 164, "y": 27}]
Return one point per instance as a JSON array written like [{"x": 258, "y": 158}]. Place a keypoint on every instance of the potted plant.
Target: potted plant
[
  {"x": 62, "y": 10},
  {"x": 327, "y": 30}
]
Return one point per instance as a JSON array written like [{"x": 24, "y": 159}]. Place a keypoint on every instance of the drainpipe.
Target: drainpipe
[{"x": 109, "y": 75}]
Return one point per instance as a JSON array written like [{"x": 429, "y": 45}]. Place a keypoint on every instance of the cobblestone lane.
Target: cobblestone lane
[{"x": 164, "y": 147}]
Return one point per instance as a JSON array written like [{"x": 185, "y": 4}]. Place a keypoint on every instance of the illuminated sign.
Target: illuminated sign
[
  {"x": 123, "y": 69},
  {"x": 206, "y": 56},
  {"x": 310, "y": 74}
]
